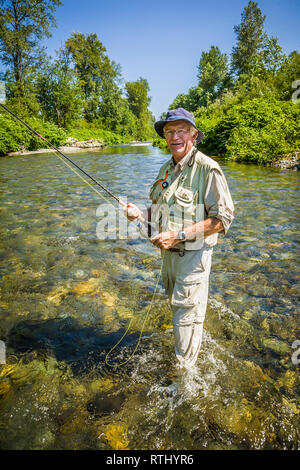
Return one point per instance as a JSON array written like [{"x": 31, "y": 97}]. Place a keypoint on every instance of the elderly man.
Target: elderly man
[{"x": 193, "y": 189}]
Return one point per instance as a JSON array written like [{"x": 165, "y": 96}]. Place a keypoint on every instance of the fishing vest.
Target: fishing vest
[{"x": 178, "y": 204}]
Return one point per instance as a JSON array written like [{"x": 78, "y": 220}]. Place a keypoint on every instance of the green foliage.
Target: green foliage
[
  {"x": 98, "y": 75},
  {"x": 138, "y": 102},
  {"x": 258, "y": 129},
  {"x": 137, "y": 96},
  {"x": 92, "y": 132},
  {"x": 14, "y": 136},
  {"x": 54, "y": 134},
  {"x": 59, "y": 94},
  {"x": 249, "y": 116},
  {"x": 23, "y": 23},
  {"x": 288, "y": 72},
  {"x": 80, "y": 91},
  {"x": 195, "y": 98},
  {"x": 250, "y": 39},
  {"x": 213, "y": 73},
  {"x": 159, "y": 142}
]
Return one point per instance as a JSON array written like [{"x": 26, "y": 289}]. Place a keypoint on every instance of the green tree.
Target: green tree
[
  {"x": 213, "y": 72},
  {"x": 272, "y": 55},
  {"x": 59, "y": 94},
  {"x": 23, "y": 23},
  {"x": 114, "y": 111},
  {"x": 98, "y": 75},
  {"x": 288, "y": 73},
  {"x": 137, "y": 96},
  {"x": 138, "y": 101},
  {"x": 193, "y": 100},
  {"x": 250, "y": 40}
]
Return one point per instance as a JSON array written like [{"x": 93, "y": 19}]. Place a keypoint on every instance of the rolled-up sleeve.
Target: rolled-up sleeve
[{"x": 217, "y": 199}]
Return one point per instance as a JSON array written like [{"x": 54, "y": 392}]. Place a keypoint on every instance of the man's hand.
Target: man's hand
[
  {"x": 132, "y": 212},
  {"x": 165, "y": 240}
]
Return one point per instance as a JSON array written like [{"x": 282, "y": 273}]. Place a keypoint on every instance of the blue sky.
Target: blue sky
[{"x": 162, "y": 41}]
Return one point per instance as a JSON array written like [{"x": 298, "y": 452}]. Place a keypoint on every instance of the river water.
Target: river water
[{"x": 75, "y": 306}]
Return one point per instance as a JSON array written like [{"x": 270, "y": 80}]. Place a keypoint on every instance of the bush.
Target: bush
[
  {"x": 159, "y": 142},
  {"x": 106, "y": 137},
  {"x": 54, "y": 134},
  {"x": 14, "y": 136},
  {"x": 258, "y": 130}
]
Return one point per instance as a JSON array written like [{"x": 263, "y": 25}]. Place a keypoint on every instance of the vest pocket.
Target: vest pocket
[
  {"x": 184, "y": 196},
  {"x": 182, "y": 209}
]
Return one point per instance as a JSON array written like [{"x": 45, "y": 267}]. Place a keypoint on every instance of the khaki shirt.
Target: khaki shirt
[
  {"x": 218, "y": 201},
  {"x": 216, "y": 195}
]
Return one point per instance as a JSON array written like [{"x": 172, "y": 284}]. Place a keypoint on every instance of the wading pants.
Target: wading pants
[{"x": 186, "y": 280}]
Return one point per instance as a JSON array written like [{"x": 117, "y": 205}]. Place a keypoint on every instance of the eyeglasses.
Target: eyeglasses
[{"x": 179, "y": 132}]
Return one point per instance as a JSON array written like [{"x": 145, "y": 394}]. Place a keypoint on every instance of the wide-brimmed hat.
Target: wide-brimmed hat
[{"x": 179, "y": 114}]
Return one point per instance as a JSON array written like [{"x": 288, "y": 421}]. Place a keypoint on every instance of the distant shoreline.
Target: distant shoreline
[
  {"x": 290, "y": 162},
  {"x": 70, "y": 148}
]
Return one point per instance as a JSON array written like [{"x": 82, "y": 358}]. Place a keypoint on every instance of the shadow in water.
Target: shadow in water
[{"x": 64, "y": 338}]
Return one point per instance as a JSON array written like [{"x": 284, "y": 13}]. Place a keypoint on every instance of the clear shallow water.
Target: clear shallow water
[{"x": 67, "y": 298}]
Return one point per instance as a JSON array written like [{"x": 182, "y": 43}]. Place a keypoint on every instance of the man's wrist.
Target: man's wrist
[{"x": 179, "y": 237}]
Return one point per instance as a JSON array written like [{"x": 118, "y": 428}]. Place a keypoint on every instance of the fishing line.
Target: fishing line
[
  {"x": 89, "y": 184},
  {"x": 123, "y": 204},
  {"x": 126, "y": 331}
]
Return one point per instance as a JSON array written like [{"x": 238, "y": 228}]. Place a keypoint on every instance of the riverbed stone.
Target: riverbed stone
[
  {"x": 289, "y": 380},
  {"x": 57, "y": 295},
  {"x": 116, "y": 436},
  {"x": 276, "y": 345},
  {"x": 76, "y": 422},
  {"x": 90, "y": 287}
]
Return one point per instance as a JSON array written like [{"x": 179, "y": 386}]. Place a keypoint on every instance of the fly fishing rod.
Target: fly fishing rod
[
  {"x": 116, "y": 198},
  {"x": 122, "y": 203}
]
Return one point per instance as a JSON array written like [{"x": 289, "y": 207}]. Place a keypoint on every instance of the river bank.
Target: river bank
[
  {"x": 288, "y": 162},
  {"x": 76, "y": 147}
]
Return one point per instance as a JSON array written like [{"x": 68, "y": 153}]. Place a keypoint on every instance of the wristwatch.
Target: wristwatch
[{"x": 181, "y": 235}]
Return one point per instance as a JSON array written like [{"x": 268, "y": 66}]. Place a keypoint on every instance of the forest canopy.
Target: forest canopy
[{"x": 246, "y": 103}]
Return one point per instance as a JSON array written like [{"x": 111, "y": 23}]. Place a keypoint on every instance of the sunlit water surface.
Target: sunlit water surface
[{"x": 68, "y": 297}]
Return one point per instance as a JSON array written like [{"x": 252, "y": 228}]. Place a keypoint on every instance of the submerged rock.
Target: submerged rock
[
  {"x": 276, "y": 345},
  {"x": 108, "y": 299},
  {"x": 57, "y": 295},
  {"x": 289, "y": 380},
  {"x": 90, "y": 287},
  {"x": 103, "y": 404},
  {"x": 102, "y": 384},
  {"x": 75, "y": 422},
  {"x": 4, "y": 387},
  {"x": 291, "y": 162},
  {"x": 116, "y": 436}
]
